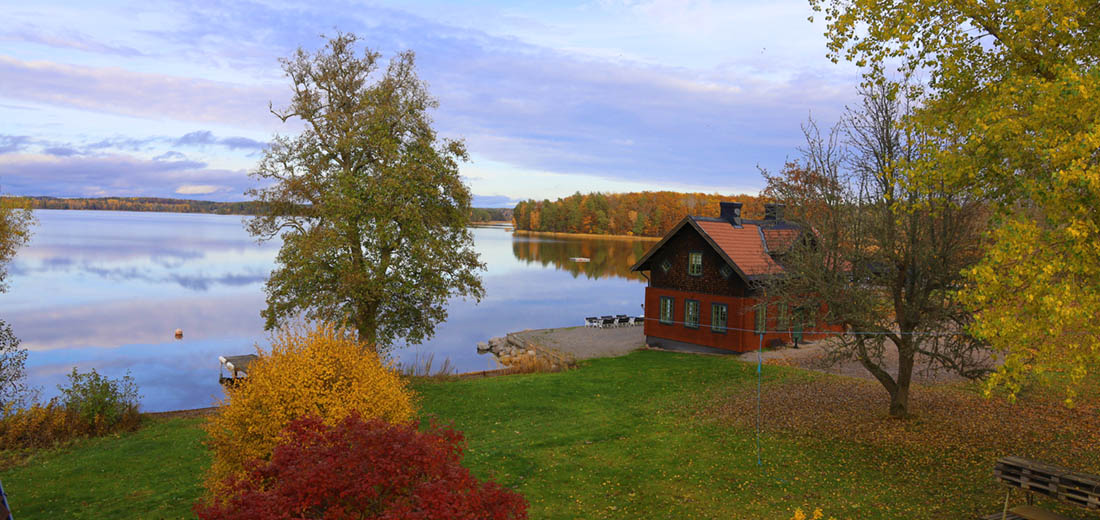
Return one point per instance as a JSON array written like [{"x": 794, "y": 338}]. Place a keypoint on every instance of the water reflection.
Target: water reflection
[
  {"x": 606, "y": 257},
  {"x": 105, "y": 290}
]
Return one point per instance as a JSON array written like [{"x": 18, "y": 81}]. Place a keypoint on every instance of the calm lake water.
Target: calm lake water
[{"x": 106, "y": 290}]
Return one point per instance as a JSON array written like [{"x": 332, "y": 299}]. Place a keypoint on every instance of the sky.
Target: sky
[{"x": 171, "y": 99}]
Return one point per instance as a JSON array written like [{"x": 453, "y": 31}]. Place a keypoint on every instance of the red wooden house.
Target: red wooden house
[{"x": 702, "y": 283}]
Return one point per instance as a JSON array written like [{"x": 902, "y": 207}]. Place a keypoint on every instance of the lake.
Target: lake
[{"x": 106, "y": 290}]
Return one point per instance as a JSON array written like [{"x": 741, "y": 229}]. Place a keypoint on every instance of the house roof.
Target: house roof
[
  {"x": 779, "y": 240},
  {"x": 748, "y": 248}
]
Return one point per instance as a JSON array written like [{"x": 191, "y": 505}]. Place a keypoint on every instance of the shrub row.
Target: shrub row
[{"x": 90, "y": 405}]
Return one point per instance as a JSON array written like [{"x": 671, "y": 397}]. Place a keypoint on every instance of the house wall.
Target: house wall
[
  {"x": 741, "y": 316},
  {"x": 676, "y": 251}
]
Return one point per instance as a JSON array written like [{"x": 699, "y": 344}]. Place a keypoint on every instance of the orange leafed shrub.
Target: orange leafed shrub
[
  {"x": 320, "y": 371},
  {"x": 90, "y": 405},
  {"x": 37, "y": 426}
]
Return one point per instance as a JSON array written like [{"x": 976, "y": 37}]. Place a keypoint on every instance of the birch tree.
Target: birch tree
[{"x": 1013, "y": 92}]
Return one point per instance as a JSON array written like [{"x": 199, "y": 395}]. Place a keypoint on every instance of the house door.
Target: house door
[{"x": 796, "y": 325}]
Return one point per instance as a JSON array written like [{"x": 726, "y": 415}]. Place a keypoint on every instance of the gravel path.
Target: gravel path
[
  {"x": 588, "y": 342},
  {"x": 811, "y": 356}
]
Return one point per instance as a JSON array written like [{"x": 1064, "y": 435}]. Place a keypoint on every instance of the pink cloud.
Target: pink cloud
[{"x": 125, "y": 92}]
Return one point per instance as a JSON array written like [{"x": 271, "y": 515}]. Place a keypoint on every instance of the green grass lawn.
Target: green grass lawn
[
  {"x": 627, "y": 437},
  {"x": 152, "y": 473}
]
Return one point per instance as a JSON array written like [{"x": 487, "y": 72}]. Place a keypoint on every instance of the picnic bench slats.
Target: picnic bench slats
[
  {"x": 1035, "y": 513},
  {"x": 1073, "y": 487},
  {"x": 1001, "y": 516}
]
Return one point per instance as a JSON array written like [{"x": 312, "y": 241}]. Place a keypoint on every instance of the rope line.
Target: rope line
[
  {"x": 806, "y": 331},
  {"x": 759, "y": 384}
]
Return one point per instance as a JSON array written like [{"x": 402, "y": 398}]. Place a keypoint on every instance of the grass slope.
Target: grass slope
[
  {"x": 152, "y": 473},
  {"x": 630, "y": 437}
]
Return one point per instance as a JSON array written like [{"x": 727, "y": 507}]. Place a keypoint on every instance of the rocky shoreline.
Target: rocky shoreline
[{"x": 512, "y": 350}]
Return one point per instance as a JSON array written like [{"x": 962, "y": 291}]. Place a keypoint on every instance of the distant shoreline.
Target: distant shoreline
[
  {"x": 583, "y": 235},
  {"x": 144, "y": 205},
  {"x": 246, "y": 208}
]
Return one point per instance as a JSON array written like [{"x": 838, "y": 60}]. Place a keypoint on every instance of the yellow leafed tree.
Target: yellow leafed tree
[
  {"x": 321, "y": 371},
  {"x": 1014, "y": 91}
]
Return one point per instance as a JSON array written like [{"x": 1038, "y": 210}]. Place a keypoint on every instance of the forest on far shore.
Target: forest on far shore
[
  {"x": 647, "y": 213},
  {"x": 201, "y": 206}
]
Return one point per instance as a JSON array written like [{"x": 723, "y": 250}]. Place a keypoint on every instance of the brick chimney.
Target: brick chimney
[
  {"x": 731, "y": 211},
  {"x": 773, "y": 212}
]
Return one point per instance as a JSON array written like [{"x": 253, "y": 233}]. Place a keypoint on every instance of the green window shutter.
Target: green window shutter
[{"x": 761, "y": 319}]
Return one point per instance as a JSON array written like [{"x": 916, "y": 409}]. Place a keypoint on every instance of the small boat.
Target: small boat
[{"x": 579, "y": 259}]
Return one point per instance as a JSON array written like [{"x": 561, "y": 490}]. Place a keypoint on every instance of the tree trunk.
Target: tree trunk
[
  {"x": 899, "y": 398},
  {"x": 899, "y": 402},
  {"x": 366, "y": 325}
]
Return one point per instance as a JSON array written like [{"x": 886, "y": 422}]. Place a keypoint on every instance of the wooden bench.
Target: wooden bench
[{"x": 1066, "y": 486}]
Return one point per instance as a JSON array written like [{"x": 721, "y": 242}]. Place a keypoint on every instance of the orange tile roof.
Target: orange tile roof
[
  {"x": 780, "y": 240},
  {"x": 743, "y": 245}
]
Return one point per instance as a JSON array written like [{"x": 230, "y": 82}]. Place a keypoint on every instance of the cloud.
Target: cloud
[
  {"x": 542, "y": 108},
  {"x": 71, "y": 40},
  {"x": 13, "y": 143},
  {"x": 198, "y": 189},
  {"x": 116, "y": 175},
  {"x": 627, "y": 109},
  {"x": 170, "y": 155},
  {"x": 206, "y": 137},
  {"x": 196, "y": 139},
  {"x": 60, "y": 151},
  {"x": 118, "y": 142},
  {"x": 493, "y": 201},
  {"x": 139, "y": 94}
]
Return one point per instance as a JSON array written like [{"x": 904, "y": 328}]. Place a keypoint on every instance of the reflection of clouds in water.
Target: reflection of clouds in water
[
  {"x": 195, "y": 282},
  {"x": 175, "y": 259},
  {"x": 109, "y": 295},
  {"x": 535, "y": 299},
  {"x": 109, "y": 324},
  {"x": 170, "y": 376},
  {"x": 202, "y": 283},
  {"x": 168, "y": 255},
  {"x": 57, "y": 262}
]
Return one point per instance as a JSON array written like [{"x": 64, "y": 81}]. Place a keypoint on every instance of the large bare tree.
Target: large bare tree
[
  {"x": 885, "y": 255},
  {"x": 367, "y": 200}
]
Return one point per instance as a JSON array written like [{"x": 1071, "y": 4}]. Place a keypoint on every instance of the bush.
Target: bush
[
  {"x": 321, "y": 371},
  {"x": 545, "y": 360},
  {"x": 37, "y": 426},
  {"x": 102, "y": 404},
  {"x": 90, "y": 405},
  {"x": 364, "y": 469}
]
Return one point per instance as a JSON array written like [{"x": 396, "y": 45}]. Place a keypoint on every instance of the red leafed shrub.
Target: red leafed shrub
[{"x": 364, "y": 470}]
